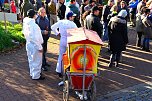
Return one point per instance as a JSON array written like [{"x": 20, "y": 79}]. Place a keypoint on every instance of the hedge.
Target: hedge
[{"x": 10, "y": 38}]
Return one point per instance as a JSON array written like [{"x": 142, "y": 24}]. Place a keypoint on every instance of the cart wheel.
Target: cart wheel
[
  {"x": 66, "y": 91},
  {"x": 92, "y": 92}
]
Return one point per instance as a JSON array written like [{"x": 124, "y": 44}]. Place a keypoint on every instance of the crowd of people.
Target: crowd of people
[{"x": 109, "y": 21}]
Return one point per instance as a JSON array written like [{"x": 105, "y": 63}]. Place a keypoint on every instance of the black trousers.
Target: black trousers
[
  {"x": 44, "y": 45},
  {"x": 115, "y": 56},
  {"x": 138, "y": 40},
  {"x": 77, "y": 22}
]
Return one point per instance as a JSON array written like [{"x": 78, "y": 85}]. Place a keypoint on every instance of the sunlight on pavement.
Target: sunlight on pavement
[
  {"x": 106, "y": 64},
  {"x": 137, "y": 58},
  {"x": 122, "y": 74},
  {"x": 141, "y": 51},
  {"x": 146, "y": 76}
]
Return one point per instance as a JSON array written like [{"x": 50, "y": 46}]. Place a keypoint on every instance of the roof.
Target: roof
[{"x": 82, "y": 35}]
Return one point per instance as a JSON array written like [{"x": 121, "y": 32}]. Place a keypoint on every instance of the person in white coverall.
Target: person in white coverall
[
  {"x": 34, "y": 43},
  {"x": 60, "y": 29}
]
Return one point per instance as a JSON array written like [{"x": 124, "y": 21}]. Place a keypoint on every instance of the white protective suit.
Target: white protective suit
[
  {"x": 63, "y": 25},
  {"x": 34, "y": 42}
]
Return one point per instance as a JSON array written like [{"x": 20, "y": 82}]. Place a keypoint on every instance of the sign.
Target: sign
[{"x": 8, "y": 17}]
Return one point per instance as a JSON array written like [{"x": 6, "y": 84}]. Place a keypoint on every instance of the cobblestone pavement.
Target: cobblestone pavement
[
  {"x": 135, "y": 71},
  {"x": 141, "y": 92}
]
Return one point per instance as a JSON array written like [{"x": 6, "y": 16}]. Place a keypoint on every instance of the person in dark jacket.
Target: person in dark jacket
[
  {"x": 44, "y": 25},
  {"x": 47, "y": 9},
  {"x": 105, "y": 13},
  {"x": 84, "y": 3},
  {"x": 60, "y": 8},
  {"x": 38, "y": 4},
  {"x": 92, "y": 21},
  {"x": 72, "y": 7},
  {"x": 117, "y": 36},
  {"x": 26, "y": 5}
]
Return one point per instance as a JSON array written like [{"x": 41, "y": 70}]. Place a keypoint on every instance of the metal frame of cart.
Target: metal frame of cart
[{"x": 80, "y": 62}]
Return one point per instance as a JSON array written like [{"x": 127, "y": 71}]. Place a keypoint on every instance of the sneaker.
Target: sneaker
[
  {"x": 59, "y": 74},
  {"x": 40, "y": 78},
  {"x": 147, "y": 50},
  {"x": 61, "y": 83},
  {"x": 116, "y": 65},
  {"x": 143, "y": 49},
  {"x": 110, "y": 65},
  {"x": 44, "y": 68},
  {"x": 138, "y": 46},
  {"x": 85, "y": 95},
  {"x": 81, "y": 96}
]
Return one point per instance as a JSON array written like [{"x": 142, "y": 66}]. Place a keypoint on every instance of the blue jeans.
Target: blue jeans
[
  {"x": 146, "y": 43},
  {"x": 105, "y": 32}
]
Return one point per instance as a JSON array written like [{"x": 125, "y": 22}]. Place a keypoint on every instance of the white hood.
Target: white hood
[
  {"x": 32, "y": 32},
  {"x": 27, "y": 20}
]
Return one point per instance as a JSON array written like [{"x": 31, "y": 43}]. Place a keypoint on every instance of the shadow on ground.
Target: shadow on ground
[{"x": 135, "y": 68}]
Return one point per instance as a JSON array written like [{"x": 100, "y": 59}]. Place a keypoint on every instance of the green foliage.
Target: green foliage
[
  {"x": 14, "y": 33},
  {"x": 18, "y": 27},
  {"x": 5, "y": 39},
  {"x": 2, "y": 23},
  {"x": 6, "y": 5},
  {"x": 17, "y": 36}
]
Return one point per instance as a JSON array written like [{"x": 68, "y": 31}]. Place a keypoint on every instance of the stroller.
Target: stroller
[{"x": 80, "y": 63}]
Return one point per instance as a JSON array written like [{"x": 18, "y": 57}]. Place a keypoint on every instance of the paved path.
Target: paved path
[
  {"x": 141, "y": 92},
  {"x": 135, "y": 69}
]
